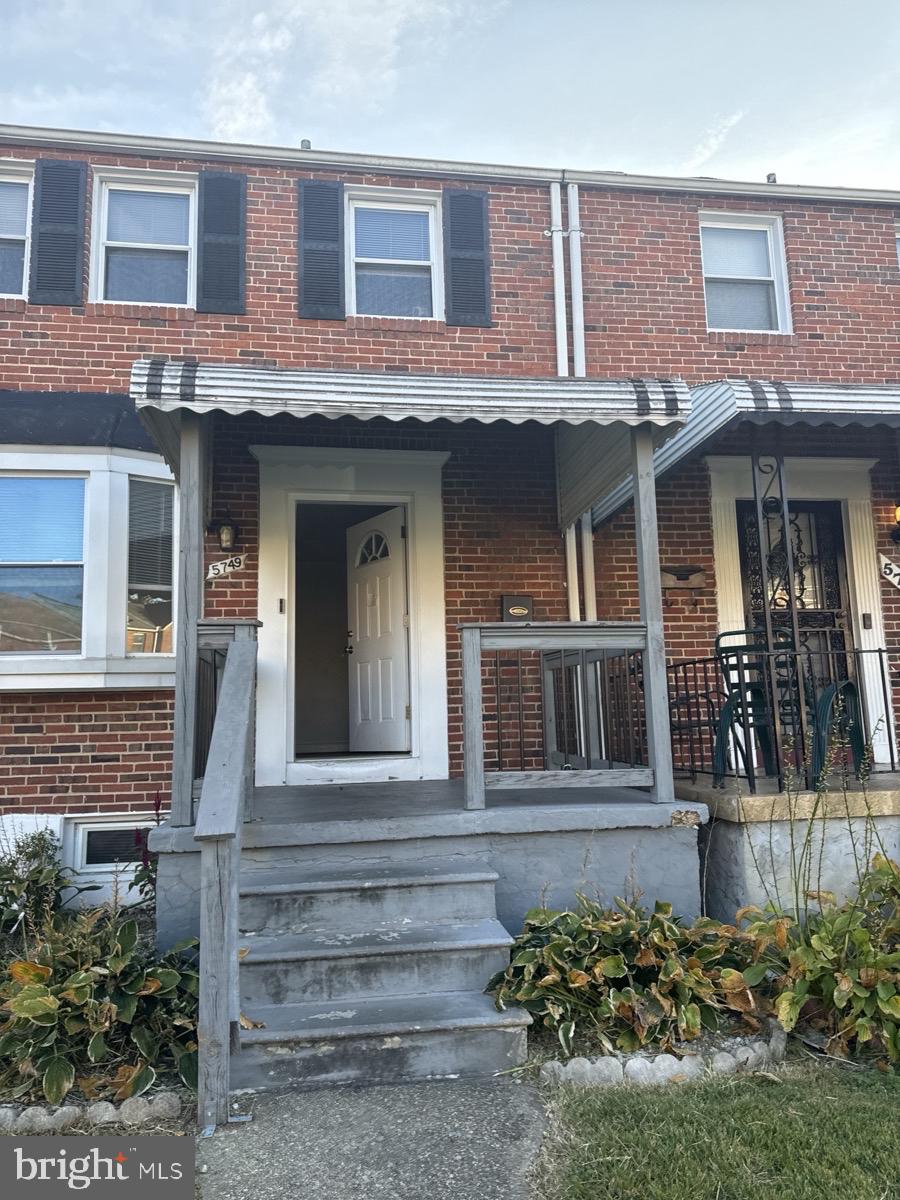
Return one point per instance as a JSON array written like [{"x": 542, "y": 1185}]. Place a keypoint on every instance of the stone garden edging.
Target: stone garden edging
[
  {"x": 138, "y": 1110},
  {"x": 646, "y": 1070}
]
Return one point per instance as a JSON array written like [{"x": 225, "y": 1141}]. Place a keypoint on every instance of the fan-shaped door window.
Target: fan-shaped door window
[{"x": 374, "y": 548}]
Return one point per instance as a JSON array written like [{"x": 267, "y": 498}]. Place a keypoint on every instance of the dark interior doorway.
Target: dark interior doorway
[{"x": 321, "y": 691}]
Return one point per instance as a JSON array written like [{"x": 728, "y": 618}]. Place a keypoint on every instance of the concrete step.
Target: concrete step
[
  {"x": 400, "y": 959},
  {"x": 377, "y": 1040},
  {"x": 280, "y": 899}
]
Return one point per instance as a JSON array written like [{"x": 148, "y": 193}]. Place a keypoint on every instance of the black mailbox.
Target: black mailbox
[{"x": 517, "y": 608}]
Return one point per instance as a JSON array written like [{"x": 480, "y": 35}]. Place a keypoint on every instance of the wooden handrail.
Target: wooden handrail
[
  {"x": 603, "y": 637},
  {"x": 224, "y": 806}
]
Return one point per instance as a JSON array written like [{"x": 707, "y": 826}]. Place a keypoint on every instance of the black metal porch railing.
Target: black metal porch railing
[{"x": 755, "y": 713}]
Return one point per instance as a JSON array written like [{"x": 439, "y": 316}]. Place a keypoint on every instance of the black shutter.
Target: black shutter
[
  {"x": 467, "y": 277},
  {"x": 221, "y": 242},
  {"x": 321, "y": 250},
  {"x": 57, "y": 232}
]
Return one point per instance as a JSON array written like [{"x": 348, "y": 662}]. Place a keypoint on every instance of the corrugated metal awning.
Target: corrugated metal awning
[
  {"x": 716, "y": 406},
  {"x": 168, "y": 386},
  {"x": 590, "y": 460}
]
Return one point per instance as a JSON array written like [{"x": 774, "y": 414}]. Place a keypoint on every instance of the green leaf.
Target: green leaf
[
  {"x": 144, "y": 1079},
  {"x": 97, "y": 1048},
  {"x": 755, "y": 974},
  {"x": 890, "y": 1007},
  {"x": 613, "y": 966},
  {"x": 187, "y": 1069},
  {"x": 565, "y": 1033},
  {"x": 145, "y": 1042},
  {"x": 33, "y": 1001},
  {"x": 127, "y": 938},
  {"x": 58, "y": 1079}
]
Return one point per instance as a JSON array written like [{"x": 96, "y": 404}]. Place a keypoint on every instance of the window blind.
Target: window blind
[
  {"x": 41, "y": 519},
  {"x": 150, "y": 508}
]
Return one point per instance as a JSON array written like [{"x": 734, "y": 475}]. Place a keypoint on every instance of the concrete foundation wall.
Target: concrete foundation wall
[
  {"x": 750, "y": 862},
  {"x": 534, "y": 868}
]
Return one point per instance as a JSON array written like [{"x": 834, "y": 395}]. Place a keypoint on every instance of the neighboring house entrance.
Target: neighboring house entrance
[
  {"x": 836, "y": 589},
  {"x": 809, "y": 576},
  {"x": 352, "y": 683}
]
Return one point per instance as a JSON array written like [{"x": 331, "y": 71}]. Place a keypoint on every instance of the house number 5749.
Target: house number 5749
[{"x": 225, "y": 567}]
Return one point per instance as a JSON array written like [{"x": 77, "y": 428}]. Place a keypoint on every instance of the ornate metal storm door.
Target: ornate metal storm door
[{"x": 795, "y": 593}]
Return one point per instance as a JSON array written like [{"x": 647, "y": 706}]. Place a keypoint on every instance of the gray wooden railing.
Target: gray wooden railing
[
  {"x": 225, "y": 804},
  {"x": 597, "y": 639}
]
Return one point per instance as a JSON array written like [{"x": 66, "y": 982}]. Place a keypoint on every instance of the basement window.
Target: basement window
[{"x": 744, "y": 273}]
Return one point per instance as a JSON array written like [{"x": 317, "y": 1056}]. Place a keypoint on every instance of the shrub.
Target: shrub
[
  {"x": 92, "y": 1007},
  {"x": 838, "y": 971},
  {"x": 32, "y": 882},
  {"x": 631, "y": 977}
]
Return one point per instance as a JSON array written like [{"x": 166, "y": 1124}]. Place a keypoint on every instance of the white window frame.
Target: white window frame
[
  {"x": 414, "y": 200},
  {"x": 175, "y": 183},
  {"x": 773, "y": 228},
  {"x": 19, "y": 172},
  {"x": 897, "y": 241},
  {"x": 73, "y": 851},
  {"x": 102, "y": 661}
]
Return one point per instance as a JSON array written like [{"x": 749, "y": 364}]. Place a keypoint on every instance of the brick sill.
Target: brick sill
[
  {"x": 146, "y": 312},
  {"x": 717, "y": 337}
]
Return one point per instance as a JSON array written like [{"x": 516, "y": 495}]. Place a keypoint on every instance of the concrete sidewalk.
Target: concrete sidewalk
[{"x": 462, "y": 1140}]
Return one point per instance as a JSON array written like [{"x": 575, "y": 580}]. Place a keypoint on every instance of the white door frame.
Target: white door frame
[
  {"x": 843, "y": 480},
  {"x": 292, "y": 474}
]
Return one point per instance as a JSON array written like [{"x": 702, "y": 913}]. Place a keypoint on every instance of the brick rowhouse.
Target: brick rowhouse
[{"x": 645, "y": 315}]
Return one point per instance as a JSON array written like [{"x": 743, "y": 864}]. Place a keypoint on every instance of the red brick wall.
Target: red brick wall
[
  {"x": 91, "y": 348},
  {"x": 76, "y": 752},
  {"x": 644, "y": 306},
  {"x": 644, "y": 303},
  {"x": 500, "y": 530}
]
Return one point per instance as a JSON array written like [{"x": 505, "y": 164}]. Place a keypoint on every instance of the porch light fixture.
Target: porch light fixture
[
  {"x": 227, "y": 533},
  {"x": 895, "y": 532}
]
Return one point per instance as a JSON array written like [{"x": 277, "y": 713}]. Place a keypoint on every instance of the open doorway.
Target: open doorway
[{"x": 351, "y": 661}]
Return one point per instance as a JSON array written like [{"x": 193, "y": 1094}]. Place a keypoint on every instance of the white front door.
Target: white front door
[{"x": 377, "y": 640}]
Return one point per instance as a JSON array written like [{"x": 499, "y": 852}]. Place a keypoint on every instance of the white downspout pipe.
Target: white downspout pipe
[
  {"x": 580, "y": 370},
  {"x": 562, "y": 369},
  {"x": 578, "y": 355},
  {"x": 559, "y": 280},
  {"x": 587, "y": 567}
]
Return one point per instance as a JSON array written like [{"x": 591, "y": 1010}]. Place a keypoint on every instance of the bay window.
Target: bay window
[{"x": 86, "y": 569}]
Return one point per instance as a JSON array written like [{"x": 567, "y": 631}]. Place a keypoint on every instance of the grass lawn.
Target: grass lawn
[{"x": 817, "y": 1133}]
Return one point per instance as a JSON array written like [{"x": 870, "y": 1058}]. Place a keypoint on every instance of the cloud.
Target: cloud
[
  {"x": 331, "y": 54},
  {"x": 712, "y": 141}
]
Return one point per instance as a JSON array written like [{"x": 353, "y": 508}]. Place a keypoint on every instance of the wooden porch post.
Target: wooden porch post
[
  {"x": 656, "y": 696},
  {"x": 189, "y": 608}
]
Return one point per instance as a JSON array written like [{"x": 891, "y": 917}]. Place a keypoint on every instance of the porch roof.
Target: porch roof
[
  {"x": 590, "y": 461},
  {"x": 716, "y": 406}
]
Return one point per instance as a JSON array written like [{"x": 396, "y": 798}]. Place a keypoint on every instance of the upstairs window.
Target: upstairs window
[
  {"x": 393, "y": 270},
  {"x": 145, "y": 249},
  {"x": 41, "y": 564},
  {"x": 150, "y": 515},
  {"x": 15, "y": 195},
  {"x": 744, "y": 274},
  {"x": 897, "y": 242}
]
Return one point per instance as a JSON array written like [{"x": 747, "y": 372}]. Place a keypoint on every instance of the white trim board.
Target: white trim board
[
  {"x": 846, "y": 480},
  {"x": 288, "y": 474}
]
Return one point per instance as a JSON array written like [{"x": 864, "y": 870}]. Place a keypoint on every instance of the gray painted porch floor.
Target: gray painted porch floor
[{"x": 314, "y": 803}]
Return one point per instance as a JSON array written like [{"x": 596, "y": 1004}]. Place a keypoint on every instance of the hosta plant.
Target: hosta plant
[
  {"x": 842, "y": 977},
  {"x": 628, "y": 976},
  {"x": 92, "y": 1007}
]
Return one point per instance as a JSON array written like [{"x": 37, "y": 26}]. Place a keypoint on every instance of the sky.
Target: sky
[{"x": 805, "y": 88}]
